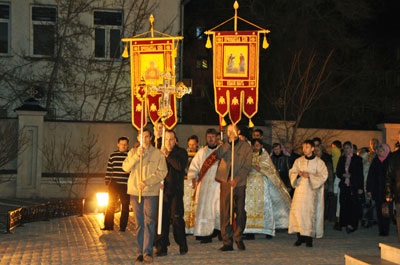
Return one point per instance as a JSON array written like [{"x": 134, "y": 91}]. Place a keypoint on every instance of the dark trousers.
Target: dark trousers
[
  {"x": 228, "y": 231},
  {"x": 350, "y": 208},
  {"x": 398, "y": 219},
  {"x": 173, "y": 212},
  {"x": 117, "y": 191},
  {"x": 383, "y": 223}
]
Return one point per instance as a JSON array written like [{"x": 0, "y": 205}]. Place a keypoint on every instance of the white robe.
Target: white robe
[
  {"x": 267, "y": 199},
  {"x": 206, "y": 202},
  {"x": 307, "y": 210}
]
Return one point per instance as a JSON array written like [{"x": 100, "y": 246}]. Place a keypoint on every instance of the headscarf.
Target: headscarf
[{"x": 385, "y": 148}]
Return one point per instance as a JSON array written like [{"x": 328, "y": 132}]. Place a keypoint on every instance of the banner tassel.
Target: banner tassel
[
  {"x": 251, "y": 124},
  {"x": 265, "y": 44},
  {"x": 208, "y": 43},
  {"x": 223, "y": 122}
]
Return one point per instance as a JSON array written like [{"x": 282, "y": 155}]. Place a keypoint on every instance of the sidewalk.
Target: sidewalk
[{"x": 79, "y": 240}]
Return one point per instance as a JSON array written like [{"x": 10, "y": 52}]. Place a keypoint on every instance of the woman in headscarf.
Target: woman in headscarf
[
  {"x": 376, "y": 185},
  {"x": 350, "y": 172}
]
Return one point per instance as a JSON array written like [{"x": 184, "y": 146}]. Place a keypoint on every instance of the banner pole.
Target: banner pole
[
  {"x": 141, "y": 155},
  {"x": 232, "y": 175},
  {"x": 161, "y": 195}
]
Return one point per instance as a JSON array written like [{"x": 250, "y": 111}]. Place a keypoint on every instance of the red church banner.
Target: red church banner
[
  {"x": 236, "y": 57},
  {"x": 151, "y": 59}
]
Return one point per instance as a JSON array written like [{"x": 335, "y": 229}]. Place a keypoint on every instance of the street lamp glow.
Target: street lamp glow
[{"x": 102, "y": 199}]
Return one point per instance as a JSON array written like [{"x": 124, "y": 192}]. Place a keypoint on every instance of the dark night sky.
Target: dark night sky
[{"x": 363, "y": 33}]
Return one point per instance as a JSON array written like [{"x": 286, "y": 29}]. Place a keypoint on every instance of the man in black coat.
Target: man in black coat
[
  {"x": 393, "y": 184},
  {"x": 173, "y": 210},
  {"x": 282, "y": 164}
]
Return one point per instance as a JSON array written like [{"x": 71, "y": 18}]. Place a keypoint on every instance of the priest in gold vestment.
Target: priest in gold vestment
[{"x": 267, "y": 198}]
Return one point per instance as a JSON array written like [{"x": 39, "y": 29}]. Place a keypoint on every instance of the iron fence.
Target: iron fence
[{"x": 43, "y": 212}]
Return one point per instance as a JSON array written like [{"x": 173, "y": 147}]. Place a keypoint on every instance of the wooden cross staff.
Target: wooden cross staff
[{"x": 164, "y": 112}]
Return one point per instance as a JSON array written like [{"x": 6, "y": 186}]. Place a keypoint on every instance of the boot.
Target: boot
[
  {"x": 299, "y": 241},
  {"x": 308, "y": 241}
]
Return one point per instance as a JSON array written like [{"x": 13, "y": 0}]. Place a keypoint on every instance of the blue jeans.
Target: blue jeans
[{"x": 145, "y": 214}]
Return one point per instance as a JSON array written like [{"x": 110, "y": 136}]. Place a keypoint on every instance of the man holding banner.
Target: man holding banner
[
  {"x": 143, "y": 186},
  {"x": 241, "y": 156}
]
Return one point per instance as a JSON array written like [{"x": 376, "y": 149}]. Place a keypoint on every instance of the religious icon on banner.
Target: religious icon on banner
[
  {"x": 152, "y": 67},
  {"x": 235, "y": 60}
]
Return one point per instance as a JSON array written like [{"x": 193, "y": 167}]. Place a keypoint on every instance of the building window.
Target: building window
[
  {"x": 107, "y": 34},
  {"x": 43, "y": 30},
  {"x": 4, "y": 28},
  {"x": 199, "y": 33}
]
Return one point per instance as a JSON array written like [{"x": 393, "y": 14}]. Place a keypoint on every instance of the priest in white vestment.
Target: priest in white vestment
[
  {"x": 202, "y": 173},
  {"x": 267, "y": 198},
  {"x": 307, "y": 176}
]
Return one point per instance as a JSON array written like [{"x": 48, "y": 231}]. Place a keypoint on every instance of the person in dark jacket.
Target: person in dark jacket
[
  {"x": 116, "y": 179},
  {"x": 232, "y": 175},
  {"x": 376, "y": 186},
  {"x": 393, "y": 184},
  {"x": 350, "y": 172},
  {"x": 173, "y": 210},
  {"x": 282, "y": 164}
]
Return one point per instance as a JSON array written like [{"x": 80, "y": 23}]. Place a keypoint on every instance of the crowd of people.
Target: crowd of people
[{"x": 244, "y": 187}]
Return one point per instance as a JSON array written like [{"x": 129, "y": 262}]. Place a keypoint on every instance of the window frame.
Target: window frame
[
  {"x": 42, "y": 23},
  {"x": 107, "y": 35},
  {"x": 8, "y": 23}
]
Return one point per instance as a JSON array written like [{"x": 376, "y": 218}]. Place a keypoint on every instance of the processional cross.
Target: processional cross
[
  {"x": 167, "y": 88},
  {"x": 164, "y": 112}
]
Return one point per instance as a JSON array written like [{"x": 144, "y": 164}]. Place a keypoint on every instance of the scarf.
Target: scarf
[{"x": 385, "y": 148}]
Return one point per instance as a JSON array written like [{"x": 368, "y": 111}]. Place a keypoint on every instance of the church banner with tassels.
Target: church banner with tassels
[
  {"x": 149, "y": 60},
  {"x": 236, "y": 69},
  {"x": 236, "y": 73},
  {"x": 153, "y": 88}
]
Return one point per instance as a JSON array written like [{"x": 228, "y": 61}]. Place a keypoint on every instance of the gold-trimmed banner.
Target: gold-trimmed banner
[
  {"x": 236, "y": 58},
  {"x": 150, "y": 60}
]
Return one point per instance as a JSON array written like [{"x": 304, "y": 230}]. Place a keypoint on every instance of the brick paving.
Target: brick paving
[{"x": 79, "y": 240}]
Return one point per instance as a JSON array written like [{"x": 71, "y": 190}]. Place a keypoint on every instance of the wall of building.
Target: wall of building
[{"x": 77, "y": 135}]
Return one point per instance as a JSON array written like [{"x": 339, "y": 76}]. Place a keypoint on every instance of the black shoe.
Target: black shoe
[
  {"x": 226, "y": 248},
  {"x": 268, "y": 236},
  {"x": 219, "y": 237},
  {"x": 161, "y": 253},
  {"x": 350, "y": 230},
  {"x": 183, "y": 249},
  {"x": 106, "y": 229},
  {"x": 240, "y": 245},
  {"x": 139, "y": 258},
  {"x": 337, "y": 226},
  {"x": 309, "y": 244},
  {"x": 298, "y": 242},
  {"x": 249, "y": 237},
  {"x": 206, "y": 239},
  {"x": 216, "y": 233},
  {"x": 122, "y": 229}
]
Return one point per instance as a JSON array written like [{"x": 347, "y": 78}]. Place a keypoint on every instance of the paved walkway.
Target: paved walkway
[{"x": 79, "y": 240}]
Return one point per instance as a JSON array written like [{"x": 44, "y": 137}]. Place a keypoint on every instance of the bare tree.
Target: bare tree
[
  {"x": 302, "y": 87},
  {"x": 12, "y": 143},
  {"x": 72, "y": 165},
  {"x": 87, "y": 156},
  {"x": 74, "y": 82},
  {"x": 59, "y": 161}
]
